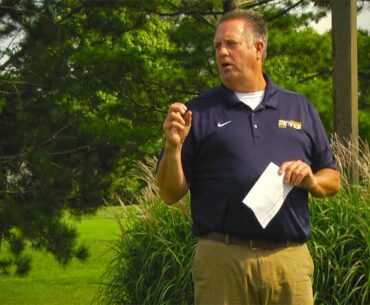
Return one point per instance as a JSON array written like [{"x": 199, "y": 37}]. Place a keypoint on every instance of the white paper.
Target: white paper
[{"x": 268, "y": 194}]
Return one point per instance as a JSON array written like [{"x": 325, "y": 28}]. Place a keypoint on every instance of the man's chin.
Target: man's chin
[{"x": 227, "y": 77}]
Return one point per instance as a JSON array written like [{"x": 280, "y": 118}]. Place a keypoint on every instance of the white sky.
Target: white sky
[{"x": 363, "y": 21}]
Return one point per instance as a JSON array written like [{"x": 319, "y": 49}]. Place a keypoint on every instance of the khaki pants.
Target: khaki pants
[{"x": 226, "y": 274}]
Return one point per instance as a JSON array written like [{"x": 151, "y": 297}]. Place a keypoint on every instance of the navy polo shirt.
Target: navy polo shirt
[{"x": 229, "y": 146}]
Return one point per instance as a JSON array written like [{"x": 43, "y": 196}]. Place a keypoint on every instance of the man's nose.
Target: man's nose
[{"x": 223, "y": 50}]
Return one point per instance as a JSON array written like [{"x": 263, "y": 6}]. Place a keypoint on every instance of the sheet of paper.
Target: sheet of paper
[{"x": 267, "y": 195}]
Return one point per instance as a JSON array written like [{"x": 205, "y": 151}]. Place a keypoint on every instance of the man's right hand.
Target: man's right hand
[
  {"x": 177, "y": 125},
  {"x": 170, "y": 175}
]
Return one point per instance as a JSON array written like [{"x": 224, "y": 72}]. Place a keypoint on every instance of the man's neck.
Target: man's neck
[{"x": 257, "y": 84}]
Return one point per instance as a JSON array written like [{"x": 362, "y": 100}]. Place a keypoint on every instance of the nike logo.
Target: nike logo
[{"x": 223, "y": 124}]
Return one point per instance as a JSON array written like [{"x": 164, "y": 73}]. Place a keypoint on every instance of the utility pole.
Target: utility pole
[{"x": 345, "y": 82}]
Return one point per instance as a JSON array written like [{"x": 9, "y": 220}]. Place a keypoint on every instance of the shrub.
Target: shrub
[
  {"x": 340, "y": 247},
  {"x": 340, "y": 241},
  {"x": 351, "y": 155},
  {"x": 23, "y": 264},
  {"x": 153, "y": 255}
]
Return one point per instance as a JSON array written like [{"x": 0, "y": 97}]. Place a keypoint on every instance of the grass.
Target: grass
[
  {"x": 77, "y": 283},
  {"x": 153, "y": 258},
  {"x": 340, "y": 247}
]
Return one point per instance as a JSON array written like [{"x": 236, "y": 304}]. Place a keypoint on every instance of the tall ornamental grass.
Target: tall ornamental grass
[
  {"x": 154, "y": 253},
  {"x": 340, "y": 239},
  {"x": 340, "y": 247},
  {"x": 349, "y": 154}
]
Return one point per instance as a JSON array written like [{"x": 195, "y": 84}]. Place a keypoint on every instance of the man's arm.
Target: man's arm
[
  {"x": 170, "y": 175},
  {"x": 325, "y": 182}
]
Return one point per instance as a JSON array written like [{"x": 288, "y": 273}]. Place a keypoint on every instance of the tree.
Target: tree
[
  {"x": 52, "y": 158},
  {"x": 83, "y": 90},
  {"x": 66, "y": 114}
]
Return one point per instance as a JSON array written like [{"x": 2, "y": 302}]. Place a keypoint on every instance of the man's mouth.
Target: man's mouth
[{"x": 226, "y": 65}]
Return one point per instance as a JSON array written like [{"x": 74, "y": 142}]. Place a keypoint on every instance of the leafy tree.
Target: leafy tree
[
  {"x": 83, "y": 90},
  {"x": 67, "y": 113},
  {"x": 52, "y": 157}
]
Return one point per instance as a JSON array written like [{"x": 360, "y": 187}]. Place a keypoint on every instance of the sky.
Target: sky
[{"x": 363, "y": 21}]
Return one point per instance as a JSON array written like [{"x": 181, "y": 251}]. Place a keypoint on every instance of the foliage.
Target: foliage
[
  {"x": 364, "y": 84},
  {"x": 55, "y": 153},
  {"x": 340, "y": 241},
  {"x": 153, "y": 259},
  {"x": 153, "y": 256},
  {"x": 352, "y": 155},
  {"x": 340, "y": 246}
]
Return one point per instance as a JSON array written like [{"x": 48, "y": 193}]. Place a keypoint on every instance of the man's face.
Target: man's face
[{"x": 237, "y": 61}]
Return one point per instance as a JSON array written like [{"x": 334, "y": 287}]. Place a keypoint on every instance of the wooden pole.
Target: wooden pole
[{"x": 345, "y": 82}]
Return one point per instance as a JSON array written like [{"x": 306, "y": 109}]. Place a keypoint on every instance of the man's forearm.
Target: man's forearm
[
  {"x": 170, "y": 176},
  {"x": 327, "y": 183}
]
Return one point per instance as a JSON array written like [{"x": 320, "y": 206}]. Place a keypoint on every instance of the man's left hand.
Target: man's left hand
[
  {"x": 325, "y": 182},
  {"x": 298, "y": 174}
]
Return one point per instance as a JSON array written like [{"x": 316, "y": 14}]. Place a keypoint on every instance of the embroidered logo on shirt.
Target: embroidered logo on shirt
[
  {"x": 291, "y": 123},
  {"x": 223, "y": 124}
]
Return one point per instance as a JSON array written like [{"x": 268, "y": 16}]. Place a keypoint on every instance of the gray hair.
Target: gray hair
[{"x": 252, "y": 19}]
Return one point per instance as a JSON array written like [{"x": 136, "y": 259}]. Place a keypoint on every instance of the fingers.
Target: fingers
[
  {"x": 187, "y": 117},
  {"x": 297, "y": 173},
  {"x": 177, "y": 124},
  {"x": 174, "y": 118}
]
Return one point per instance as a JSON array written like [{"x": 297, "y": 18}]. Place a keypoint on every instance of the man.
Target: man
[{"x": 218, "y": 145}]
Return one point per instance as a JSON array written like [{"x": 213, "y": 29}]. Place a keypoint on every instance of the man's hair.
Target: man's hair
[{"x": 254, "y": 21}]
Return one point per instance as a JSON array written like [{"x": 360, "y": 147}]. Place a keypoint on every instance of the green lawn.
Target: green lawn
[{"x": 48, "y": 283}]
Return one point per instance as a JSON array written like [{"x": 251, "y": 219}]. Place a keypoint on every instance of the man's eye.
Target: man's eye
[{"x": 232, "y": 43}]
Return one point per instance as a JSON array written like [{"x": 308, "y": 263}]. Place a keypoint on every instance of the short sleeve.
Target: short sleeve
[{"x": 322, "y": 155}]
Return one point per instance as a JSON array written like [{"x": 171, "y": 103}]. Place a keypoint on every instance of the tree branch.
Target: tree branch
[
  {"x": 286, "y": 10},
  {"x": 317, "y": 74},
  {"x": 250, "y": 5},
  {"x": 55, "y": 135},
  {"x": 69, "y": 151}
]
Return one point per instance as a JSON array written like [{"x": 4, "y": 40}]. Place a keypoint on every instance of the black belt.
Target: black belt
[{"x": 255, "y": 245}]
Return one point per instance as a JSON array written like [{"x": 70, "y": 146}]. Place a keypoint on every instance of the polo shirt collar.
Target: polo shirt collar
[{"x": 268, "y": 99}]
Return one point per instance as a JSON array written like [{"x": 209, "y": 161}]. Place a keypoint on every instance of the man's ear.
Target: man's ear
[{"x": 260, "y": 47}]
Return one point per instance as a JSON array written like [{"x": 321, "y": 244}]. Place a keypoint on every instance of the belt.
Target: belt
[{"x": 255, "y": 245}]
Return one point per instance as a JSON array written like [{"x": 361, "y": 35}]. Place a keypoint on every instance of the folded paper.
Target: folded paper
[{"x": 267, "y": 195}]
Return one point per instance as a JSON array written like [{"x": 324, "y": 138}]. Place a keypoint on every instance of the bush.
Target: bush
[
  {"x": 340, "y": 247},
  {"x": 153, "y": 255},
  {"x": 23, "y": 264},
  {"x": 340, "y": 241}
]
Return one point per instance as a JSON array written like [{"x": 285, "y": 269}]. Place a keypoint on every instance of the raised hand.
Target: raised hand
[{"x": 177, "y": 125}]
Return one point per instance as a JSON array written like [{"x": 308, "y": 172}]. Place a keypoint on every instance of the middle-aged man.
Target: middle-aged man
[{"x": 218, "y": 145}]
